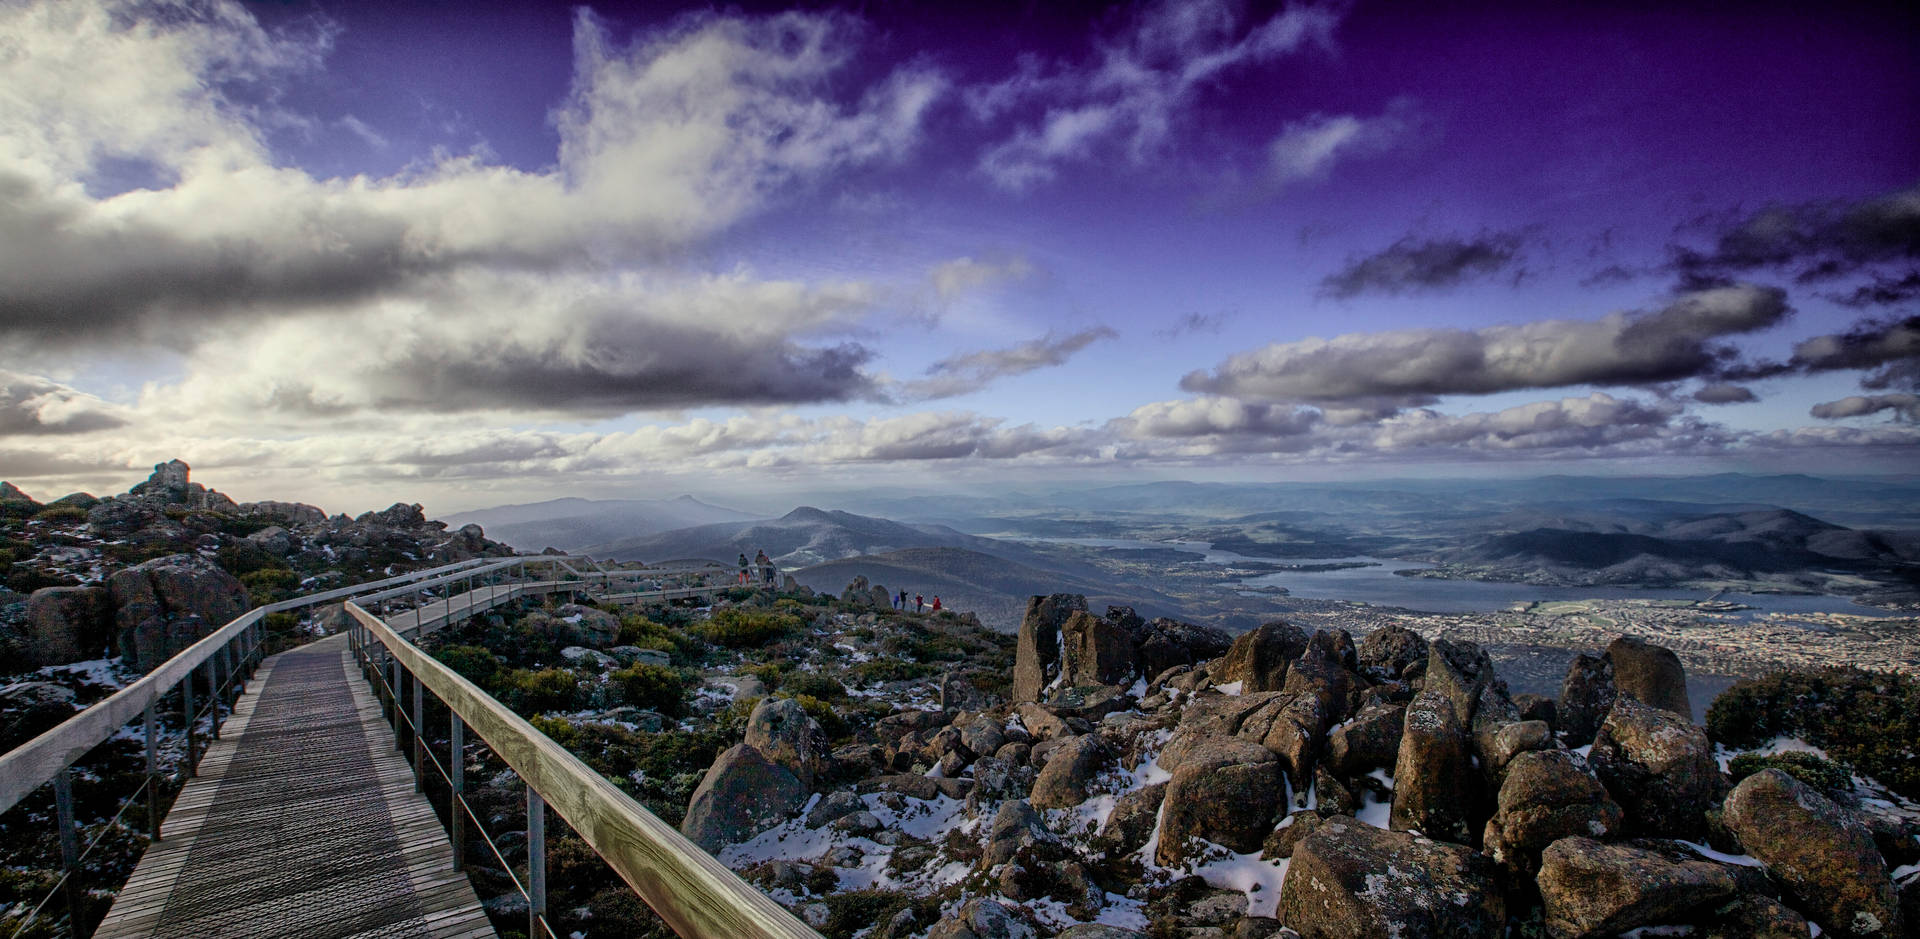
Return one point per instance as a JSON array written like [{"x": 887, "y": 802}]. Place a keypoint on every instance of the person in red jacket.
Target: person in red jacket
[
  {"x": 936, "y": 603},
  {"x": 918, "y": 603}
]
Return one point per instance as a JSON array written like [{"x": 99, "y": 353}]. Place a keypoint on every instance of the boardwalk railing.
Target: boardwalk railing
[
  {"x": 695, "y": 894},
  {"x": 225, "y": 659}
]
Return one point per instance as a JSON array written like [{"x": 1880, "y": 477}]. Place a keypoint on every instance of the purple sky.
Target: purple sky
[{"x": 358, "y": 252}]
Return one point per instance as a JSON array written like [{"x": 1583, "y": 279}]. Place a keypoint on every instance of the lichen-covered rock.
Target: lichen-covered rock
[
  {"x": 1521, "y": 737},
  {"x": 1063, "y": 782},
  {"x": 167, "y": 604},
  {"x": 1818, "y": 851},
  {"x": 1591, "y": 889},
  {"x": 67, "y": 624},
  {"x": 1131, "y": 822},
  {"x": 1225, "y": 791},
  {"x": 1018, "y": 831},
  {"x": 783, "y": 733},
  {"x": 1461, "y": 670},
  {"x": 742, "y": 795},
  {"x": 1095, "y": 651},
  {"x": 1166, "y": 643},
  {"x": 1548, "y": 795},
  {"x": 1258, "y": 660},
  {"x": 1371, "y": 740},
  {"x": 1318, "y": 672},
  {"x": 1037, "y": 648},
  {"x": 1433, "y": 776},
  {"x": 1586, "y": 695},
  {"x": 1754, "y": 916},
  {"x": 1389, "y": 651},
  {"x": 982, "y": 919},
  {"x": 595, "y": 627},
  {"x": 1659, "y": 767},
  {"x": 1349, "y": 880},
  {"x": 1650, "y": 673}
]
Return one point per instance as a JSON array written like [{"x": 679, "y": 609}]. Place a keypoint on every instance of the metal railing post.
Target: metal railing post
[
  {"x": 69, "y": 846},
  {"x": 153, "y": 774},
  {"x": 399, "y": 724},
  {"x": 457, "y": 781},
  {"x": 213, "y": 698},
  {"x": 419, "y": 738},
  {"x": 536, "y": 860}
]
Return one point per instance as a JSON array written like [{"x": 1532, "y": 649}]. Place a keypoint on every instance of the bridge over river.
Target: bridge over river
[{"x": 307, "y": 813}]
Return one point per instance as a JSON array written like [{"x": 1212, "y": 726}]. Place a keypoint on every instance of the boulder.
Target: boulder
[
  {"x": 1018, "y": 831},
  {"x": 1548, "y": 795},
  {"x": 1088, "y": 702},
  {"x": 1659, "y": 767},
  {"x": 1586, "y": 695},
  {"x": 121, "y": 517},
  {"x": 783, "y": 733},
  {"x": 1371, "y": 740},
  {"x": 1042, "y": 723},
  {"x": 742, "y": 795},
  {"x": 595, "y": 627},
  {"x": 982, "y": 919},
  {"x": 1095, "y": 651},
  {"x": 1818, "y": 851},
  {"x": 67, "y": 624},
  {"x": 1461, "y": 670},
  {"x": 1537, "y": 707},
  {"x": 1522, "y": 737},
  {"x": 1225, "y": 791},
  {"x": 1166, "y": 643},
  {"x": 1433, "y": 778},
  {"x": 859, "y": 592},
  {"x": 1350, "y": 880},
  {"x": 1258, "y": 660},
  {"x": 1037, "y": 648},
  {"x": 1318, "y": 672},
  {"x": 167, "y": 604},
  {"x": 1651, "y": 673},
  {"x": 1295, "y": 728},
  {"x": 1063, "y": 782},
  {"x": 1386, "y": 653},
  {"x": 1755, "y": 916},
  {"x": 1590, "y": 889},
  {"x": 1132, "y": 820},
  {"x": 285, "y": 513},
  {"x": 397, "y": 515},
  {"x": 957, "y": 693},
  {"x": 273, "y": 539}
]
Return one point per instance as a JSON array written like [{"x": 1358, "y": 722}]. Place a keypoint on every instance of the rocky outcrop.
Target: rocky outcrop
[
  {"x": 170, "y": 485},
  {"x": 1095, "y": 651},
  {"x": 1164, "y": 643},
  {"x": 1659, "y": 767},
  {"x": 1071, "y": 766},
  {"x": 1258, "y": 660},
  {"x": 1650, "y": 673},
  {"x": 1371, "y": 740},
  {"x": 594, "y": 627},
  {"x": 1037, "y": 649},
  {"x": 1591, "y": 889},
  {"x": 167, "y": 604},
  {"x": 982, "y": 919},
  {"x": 742, "y": 795},
  {"x": 1388, "y": 652},
  {"x": 1818, "y": 851},
  {"x": 1348, "y": 880},
  {"x": 291, "y": 514},
  {"x": 1433, "y": 776}
]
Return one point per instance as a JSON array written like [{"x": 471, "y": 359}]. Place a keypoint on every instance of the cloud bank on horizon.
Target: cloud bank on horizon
[{"x": 576, "y": 253}]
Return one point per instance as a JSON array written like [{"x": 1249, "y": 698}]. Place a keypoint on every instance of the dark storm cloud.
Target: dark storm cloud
[
  {"x": 1416, "y": 264},
  {"x": 622, "y": 367},
  {"x": 1677, "y": 342},
  {"x": 1813, "y": 240},
  {"x": 961, "y": 374},
  {"x": 1724, "y": 393},
  {"x": 1904, "y": 407},
  {"x": 1883, "y": 291},
  {"x": 33, "y": 406}
]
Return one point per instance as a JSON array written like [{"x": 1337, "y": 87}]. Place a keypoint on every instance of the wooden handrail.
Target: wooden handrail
[{"x": 699, "y": 897}]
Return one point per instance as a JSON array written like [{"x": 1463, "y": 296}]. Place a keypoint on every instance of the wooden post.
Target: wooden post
[
  {"x": 457, "y": 781},
  {"x": 153, "y": 775},
  {"x": 419, "y": 737},
  {"x": 186, "y": 708},
  {"x": 536, "y": 861},
  {"x": 69, "y": 846}
]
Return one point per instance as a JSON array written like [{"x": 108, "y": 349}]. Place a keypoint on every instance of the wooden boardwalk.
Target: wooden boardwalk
[{"x": 303, "y": 822}]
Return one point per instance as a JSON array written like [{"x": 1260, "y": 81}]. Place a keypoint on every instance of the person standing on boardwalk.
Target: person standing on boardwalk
[
  {"x": 936, "y": 603},
  {"x": 900, "y": 602},
  {"x": 918, "y": 603},
  {"x": 743, "y": 567},
  {"x": 766, "y": 567}
]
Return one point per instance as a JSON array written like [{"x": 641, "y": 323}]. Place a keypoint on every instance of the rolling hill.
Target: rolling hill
[{"x": 993, "y": 588}]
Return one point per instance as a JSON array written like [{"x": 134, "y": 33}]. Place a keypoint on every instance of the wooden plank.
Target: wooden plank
[{"x": 697, "y": 895}]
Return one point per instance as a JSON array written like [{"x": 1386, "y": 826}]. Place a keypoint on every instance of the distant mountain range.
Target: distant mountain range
[
  {"x": 993, "y": 588},
  {"x": 571, "y": 524}
]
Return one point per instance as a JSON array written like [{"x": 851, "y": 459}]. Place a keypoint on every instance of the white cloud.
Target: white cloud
[{"x": 1308, "y": 148}]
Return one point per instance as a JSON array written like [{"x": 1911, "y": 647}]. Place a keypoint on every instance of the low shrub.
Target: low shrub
[
  {"x": 1824, "y": 775},
  {"x": 549, "y": 689},
  {"x": 747, "y": 629},
  {"x": 655, "y": 687},
  {"x": 1868, "y": 720},
  {"x": 474, "y": 663}
]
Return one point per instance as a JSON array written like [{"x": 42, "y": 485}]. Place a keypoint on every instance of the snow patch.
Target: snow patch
[{"x": 1742, "y": 860}]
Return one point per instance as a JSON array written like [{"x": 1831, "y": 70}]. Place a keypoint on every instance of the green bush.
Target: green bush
[
  {"x": 747, "y": 629},
  {"x": 637, "y": 630},
  {"x": 811, "y": 685},
  {"x": 1868, "y": 720},
  {"x": 655, "y": 687},
  {"x": 270, "y": 584},
  {"x": 550, "y": 689},
  {"x": 474, "y": 663},
  {"x": 61, "y": 513},
  {"x": 831, "y": 723},
  {"x": 1825, "y": 775},
  {"x": 561, "y": 730},
  {"x": 241, "y": 558}
]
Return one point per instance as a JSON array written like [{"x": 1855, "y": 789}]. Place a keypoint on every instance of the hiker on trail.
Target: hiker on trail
[
  {"x": 743, "y": 567},
  {"x": 900, "y": 602},
  {"x": 766, "y": 567},
  {"x": 936, "y": 603},
  {"x": 918, "y": 603}
]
